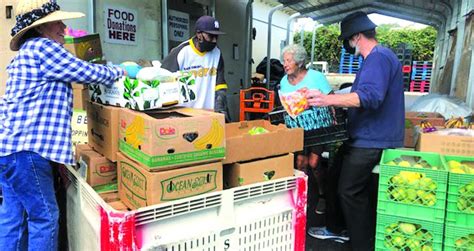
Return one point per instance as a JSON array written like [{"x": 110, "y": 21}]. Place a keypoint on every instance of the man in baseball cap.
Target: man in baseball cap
[
  {"x": 201, "y": 56},
  {"x": 376, "y": 121}
]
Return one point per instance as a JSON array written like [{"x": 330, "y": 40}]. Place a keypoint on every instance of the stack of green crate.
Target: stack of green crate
[
  {"x": 411, "y": 201},
  {"x": 459, "y": 231}
]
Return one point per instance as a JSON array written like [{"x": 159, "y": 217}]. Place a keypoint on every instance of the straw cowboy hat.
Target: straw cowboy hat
[{"x": 32, "y": 13}]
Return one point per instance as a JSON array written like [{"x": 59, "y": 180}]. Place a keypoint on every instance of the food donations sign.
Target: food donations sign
[{"x": 120, "y": 25}]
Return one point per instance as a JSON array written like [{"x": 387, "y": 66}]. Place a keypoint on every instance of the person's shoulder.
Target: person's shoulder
[{"x": 315, "y": 73}]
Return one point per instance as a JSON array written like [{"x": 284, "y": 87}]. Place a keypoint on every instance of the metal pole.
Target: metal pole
[
  {"x": 91, "y": 16},
  {"x": 248, "y": 44},
  {"x": 313, "y": 42},
  {"x": 164, "y": 25},
  {"x": 288, "y": 24},
  {"x": 269, "y": 39},
  {"x": 302, "y": 35}
]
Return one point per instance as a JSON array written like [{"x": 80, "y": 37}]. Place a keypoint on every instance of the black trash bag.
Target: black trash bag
[{"x": 276, "y": 69}]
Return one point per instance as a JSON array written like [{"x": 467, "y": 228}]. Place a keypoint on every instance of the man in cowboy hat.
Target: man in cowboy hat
[
  {"x": 201, "y": 56},
  {"x": 376, "y": 118},
  {"x": 35, "y": 123}
]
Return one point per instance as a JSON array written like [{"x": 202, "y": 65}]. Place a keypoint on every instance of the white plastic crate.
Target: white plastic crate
[{"x": 265, "y": 216}]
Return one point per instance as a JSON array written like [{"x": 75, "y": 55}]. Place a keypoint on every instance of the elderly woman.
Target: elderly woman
[
  {"x": 300, "y": 79},
  {"x": 35, "y": 123}
]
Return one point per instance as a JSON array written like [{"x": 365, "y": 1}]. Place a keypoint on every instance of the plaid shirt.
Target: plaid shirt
[{"x": 36, "y": 110}]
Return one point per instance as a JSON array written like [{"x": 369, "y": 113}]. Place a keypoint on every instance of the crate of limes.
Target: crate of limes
[
  {"x": 458, "y": 238},
  {"x": 402, "y": 233},
  {"x": 412, "y": 184},
  {"x": 460, "y": 206}
]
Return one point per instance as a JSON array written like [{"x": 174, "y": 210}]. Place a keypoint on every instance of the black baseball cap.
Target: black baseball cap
[
  {"x": 209, "y": 25},
  {"x": 354, "y": 23}
]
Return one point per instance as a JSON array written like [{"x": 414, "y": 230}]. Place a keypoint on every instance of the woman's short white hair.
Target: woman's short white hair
[{"x": 298, "y": 52}]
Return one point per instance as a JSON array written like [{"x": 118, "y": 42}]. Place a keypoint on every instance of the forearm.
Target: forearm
[{"x": 344, "y": 100}]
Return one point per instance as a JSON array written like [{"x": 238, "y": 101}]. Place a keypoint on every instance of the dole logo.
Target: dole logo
[{"x": 167, "y": 131}]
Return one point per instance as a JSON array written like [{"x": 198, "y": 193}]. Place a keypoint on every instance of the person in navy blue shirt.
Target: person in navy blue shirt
[{"x": 376, "y": 116}]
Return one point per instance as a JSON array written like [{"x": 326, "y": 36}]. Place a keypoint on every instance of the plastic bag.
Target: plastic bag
[
  {"x": 442, "y": 104},
  {"x": 294, "y": 102}
]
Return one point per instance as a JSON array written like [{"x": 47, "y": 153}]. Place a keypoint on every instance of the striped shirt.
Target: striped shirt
[{"x": 36, "y": 110}]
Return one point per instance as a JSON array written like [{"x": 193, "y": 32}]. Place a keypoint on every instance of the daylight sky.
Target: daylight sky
[{"x": 376, "y": 18}]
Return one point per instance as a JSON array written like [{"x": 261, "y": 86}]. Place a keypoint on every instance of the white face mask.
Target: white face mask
[{"x": 354, "y": 45}]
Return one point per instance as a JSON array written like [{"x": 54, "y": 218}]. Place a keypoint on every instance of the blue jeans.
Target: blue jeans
[{"x": 29, "y": 212}]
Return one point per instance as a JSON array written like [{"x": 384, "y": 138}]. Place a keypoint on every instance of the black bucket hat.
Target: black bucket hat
[{"x": 354, "y": 23}]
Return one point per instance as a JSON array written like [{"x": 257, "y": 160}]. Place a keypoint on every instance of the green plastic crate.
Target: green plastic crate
[
  {"x": 454, "y": 215},
  {"x": 458, "y": 238},
  {"x": 390, "y": 235},
  {"x": 416, "y": 199}
]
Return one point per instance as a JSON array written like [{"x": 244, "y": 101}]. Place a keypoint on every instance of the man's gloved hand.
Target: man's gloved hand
[{"x": 220, "y": 104}]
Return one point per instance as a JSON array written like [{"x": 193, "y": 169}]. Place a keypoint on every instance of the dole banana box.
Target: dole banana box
[
  {"x": 139, "y": 187},
  {"x": 166, "y": 139},
  {"x": 102, "y": 129},
  {"x": 96, "y": 169}
]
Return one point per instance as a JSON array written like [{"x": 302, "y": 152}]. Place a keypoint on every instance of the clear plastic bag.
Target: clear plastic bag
[{"x": 443, "y": 104}]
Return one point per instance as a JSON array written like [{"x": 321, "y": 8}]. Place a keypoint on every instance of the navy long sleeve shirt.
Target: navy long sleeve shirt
[{"x": 380, "y": 119}]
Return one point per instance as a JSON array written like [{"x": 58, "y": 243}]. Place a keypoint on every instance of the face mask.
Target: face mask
[
  {"x": 206, "y": 45},
  {"x": 354, "y": 45}
]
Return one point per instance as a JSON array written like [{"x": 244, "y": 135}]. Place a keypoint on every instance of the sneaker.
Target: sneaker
[
  {"x": 324, "y": 234},
  {"x": 321, "y": 206}
]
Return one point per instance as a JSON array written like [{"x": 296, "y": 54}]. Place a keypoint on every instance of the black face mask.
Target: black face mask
[{"x": 205, "y": 45}]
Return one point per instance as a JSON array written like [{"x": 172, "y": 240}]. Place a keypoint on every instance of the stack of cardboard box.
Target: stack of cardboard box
[
  {"x": 413, "y": 119},
  {"x": 169, "y": 154},
  {"x": 261, "y": 157},
  {"x": 143, "y": 157}
]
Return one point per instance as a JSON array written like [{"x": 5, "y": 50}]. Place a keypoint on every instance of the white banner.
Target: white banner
[
  {"x": 178, "y": 25},
  {"x": 120, "y": 25}
]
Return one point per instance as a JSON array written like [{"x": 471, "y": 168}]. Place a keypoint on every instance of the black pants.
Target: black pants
[{"x": 357, "y": 192}]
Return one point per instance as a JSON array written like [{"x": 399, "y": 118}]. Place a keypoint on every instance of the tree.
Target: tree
[{"x": 328, "y": 47}]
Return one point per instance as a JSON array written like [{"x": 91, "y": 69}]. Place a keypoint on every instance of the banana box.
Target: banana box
[
  {"x": 277, "y": 140},
  {"x": 413, "y": 119},
  {"x": 96, "y": 169},
  {"x": 139, "y": 187},
  {"x": 102, "y": 129},
  {"x": 166, "y": 139},
  {"x": 245, "y": 173},
  {"x": 144, "y": 95}
]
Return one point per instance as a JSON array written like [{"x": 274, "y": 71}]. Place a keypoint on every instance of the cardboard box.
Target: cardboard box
[
  {"x": 118, "y": 205},
  {"x": 140, "y": 188},
  {"x": 446, "y": 144},
  {"x": 413, "y": 119},
  {"x": 80, "y": 98},
  {"x": 164, "y": 139},
  {"x": 102, "y": 128},
  {"x": 81, "y": 148},
  {"x": 110, "y": 197},
  {"x": 96, "y": 169},
  {"x": 145, "y": 95},
  {"x": 87, "y": 48},
  {"x": 79, "y": 128},
  {"x": 246, "y": 173},
  {"x": 242, "y": 146},
  {"x": 78, "y": 86},
  {"x": 108, "y": 192}
]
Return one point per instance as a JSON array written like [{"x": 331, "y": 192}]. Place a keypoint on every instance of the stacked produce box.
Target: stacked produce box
[
  {"x": 459, "y": 232},
  {"x": 349, "y": 63},
  {"x": 421, "y": 76},
  {"x": 144, "y": 149},
  {"x": 411, "y": 201},
  {"x": 404, "y": 54}
]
